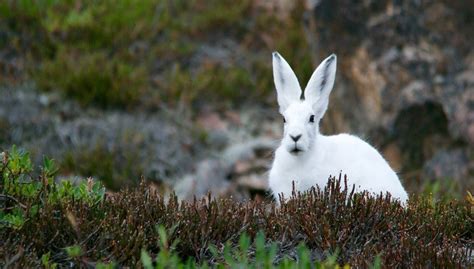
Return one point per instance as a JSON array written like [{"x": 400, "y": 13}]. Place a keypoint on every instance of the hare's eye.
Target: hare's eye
[
  {"x": 284, "y": 120},
  {"x": 311, "y": 118}
]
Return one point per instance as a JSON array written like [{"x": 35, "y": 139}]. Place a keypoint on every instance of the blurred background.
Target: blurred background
[{"x": 181, "y": 92}]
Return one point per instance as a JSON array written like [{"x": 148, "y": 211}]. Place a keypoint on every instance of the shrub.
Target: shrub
[
  {"x": 47, "y": 223},
  {"x": 103, "y": 164},
  {"x": 93, "y": 79}
]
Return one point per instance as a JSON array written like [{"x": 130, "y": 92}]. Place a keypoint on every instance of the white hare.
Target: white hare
[{"x": 307, "y": 157}]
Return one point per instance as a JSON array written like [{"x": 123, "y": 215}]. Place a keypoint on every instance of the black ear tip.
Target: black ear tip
[{"x": 331, "y": 58}]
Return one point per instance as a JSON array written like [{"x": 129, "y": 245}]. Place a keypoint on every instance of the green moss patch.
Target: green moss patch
[{"x": 114, "y": 169}]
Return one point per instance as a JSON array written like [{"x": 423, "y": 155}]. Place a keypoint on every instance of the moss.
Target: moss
[
  {"x": 93, "y": 79},
  {"x": 263, "y": 78},
  {"x": 224, "y": 83},
  {"x": 113, "y": 168},
  {"x": 20, "y": 24},
  {"x": 217, "y": 14},
  {"x": 211, "y": 83}
]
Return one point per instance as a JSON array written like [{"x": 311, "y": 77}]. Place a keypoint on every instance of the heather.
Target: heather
[{"x": 47, "y": 223}]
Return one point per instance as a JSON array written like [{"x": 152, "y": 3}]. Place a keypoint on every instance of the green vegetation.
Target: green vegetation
[
  {"x": 132, "y": 53},
  {"x": 103, "y": 164},
  {"x": 44, "y": 223},
  {"x": 93, "y": 79},
  {"x": 262, "y": 256},
  {"x": 17, "y": 181}
]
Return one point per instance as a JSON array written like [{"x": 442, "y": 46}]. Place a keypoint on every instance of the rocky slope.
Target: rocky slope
[{"x": 405, "y": 83}]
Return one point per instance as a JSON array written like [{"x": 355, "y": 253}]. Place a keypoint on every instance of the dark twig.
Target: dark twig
[
  {"x": 8, "y": 197},
  {"x": 15, "y": 258}
]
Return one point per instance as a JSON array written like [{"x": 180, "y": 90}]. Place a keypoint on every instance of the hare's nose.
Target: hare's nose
[{"x": 296, "y": 137}]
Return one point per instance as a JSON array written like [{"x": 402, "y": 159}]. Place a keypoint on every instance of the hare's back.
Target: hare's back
[
  {"x": 353, "y": 154},
  {"x": 363, "y": 164}
]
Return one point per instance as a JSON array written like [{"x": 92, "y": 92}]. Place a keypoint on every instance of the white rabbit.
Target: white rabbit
[{"x": 307, "y": 157}]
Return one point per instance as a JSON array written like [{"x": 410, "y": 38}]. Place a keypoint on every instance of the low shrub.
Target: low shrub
[
  {"x": 58, "y": 224},
  {"x": 93, "y": 79},
  {"x": 103, "y": 164}
]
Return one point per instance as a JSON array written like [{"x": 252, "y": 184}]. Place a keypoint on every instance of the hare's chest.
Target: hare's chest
[
  {"x": 305, "y": 175},
  {"x": 309, "y": 176}
]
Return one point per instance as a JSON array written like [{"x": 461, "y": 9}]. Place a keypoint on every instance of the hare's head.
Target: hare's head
[{"x": 302, "y": 111}]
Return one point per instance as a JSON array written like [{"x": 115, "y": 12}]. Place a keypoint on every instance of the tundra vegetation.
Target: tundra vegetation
[
  {"x": 143, "y": 56},
  {"x": 110, "y": 49},
  {"x": 44, "y": 223}
]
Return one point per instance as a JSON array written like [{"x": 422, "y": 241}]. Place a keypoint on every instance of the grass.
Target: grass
[
  {"x": 43, "y": 223},
  {"x": 93, "y": 79},
  {"x": 132, "y": 53},
  {"x": 114, "y": 169},
  {"x": 247, "y": 254}
]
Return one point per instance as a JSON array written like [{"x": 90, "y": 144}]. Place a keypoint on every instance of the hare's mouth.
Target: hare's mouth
[{"x": 296, "y": 151}]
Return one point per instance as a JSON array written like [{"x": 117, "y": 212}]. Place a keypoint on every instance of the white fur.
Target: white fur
[{"x": 319, "y": 156}]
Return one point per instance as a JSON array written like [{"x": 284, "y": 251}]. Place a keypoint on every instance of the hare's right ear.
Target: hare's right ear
[{"x": 286, "y": 83}]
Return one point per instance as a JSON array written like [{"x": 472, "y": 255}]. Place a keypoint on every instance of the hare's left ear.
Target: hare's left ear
[{"x": 320, "y": 85}]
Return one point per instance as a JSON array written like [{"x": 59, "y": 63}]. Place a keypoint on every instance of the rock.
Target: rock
[
  {"x": 368, "y": 83},
  {"x": 218, "y": 139},
  {"x": 466, "y": 77},
  {"x": 448, "y": 165},
  {"x": 404, "y": 68},
  {"x": 210, "y": 176},
  {"x": 152, "y": 145},
  {"x": 253, "y": 182},
  {"x": 281, "y": 7},
  {"x": 211, "y": 121},
  {"x": 237, "y": 171},
  {"x": 393, "y": 155},
  {"x": 389, "y": 56},
  {"x": 220, "y": 53},
  {"x": 248, "y": 149},
  {"x": 233, "y": 117},
  {"x": 242, "y": 167},
  {"x": 415, "y": 93},
  {"x": 461, "y": 109}
]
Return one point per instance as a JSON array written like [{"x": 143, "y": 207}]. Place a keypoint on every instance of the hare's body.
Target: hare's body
[
  {"x": 364, "y": 166},
  {"x": 308, "y": 158}
]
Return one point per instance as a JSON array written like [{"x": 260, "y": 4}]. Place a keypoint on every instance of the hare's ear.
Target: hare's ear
[
  {"x": 320, "y": 85},
  {"x": 286, "y": 83}
]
